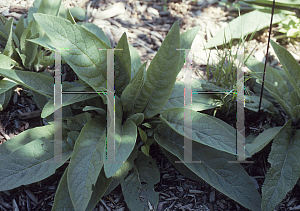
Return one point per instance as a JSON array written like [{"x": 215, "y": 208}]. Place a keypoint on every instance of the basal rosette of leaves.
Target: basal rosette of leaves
[
  {"x": 284, "y": 87},
  {"x": 149, "y": 109}
]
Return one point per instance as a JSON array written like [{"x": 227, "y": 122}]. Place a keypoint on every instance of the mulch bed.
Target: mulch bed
[{"x": 146, "y": 24}]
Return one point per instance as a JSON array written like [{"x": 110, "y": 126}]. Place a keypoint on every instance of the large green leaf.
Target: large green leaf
[
  {"x": 274, "y": 83},
  {"x": 284, "y": 172},
  {"x": 62, "y": 199},
  {"x": 31, "y": 80},
  {"x": 81, "y": 49},
  {"x": 242, "y": 26},
  {"x": 140, "y": 184},
  {"x": 200, "y": 101},
  {"x": 229, "y": 178},
  {"x": 289, "y": 64},
  {"x": 125, "y": 138},
  {"x": 29, "y": 157},
  {"x": 132, "y": 91},
  {"x": 262, "y": 140},
  {"x": 86, "y": 164},
  {"x": 122, "y": 65},
  {"x": 160, "y": 76},
  {"x": 206, "y": 129}
]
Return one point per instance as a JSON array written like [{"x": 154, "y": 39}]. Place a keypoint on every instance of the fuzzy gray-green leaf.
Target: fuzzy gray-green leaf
[
  {"x": 160, "y": 76},
  {"x": 228, "y": 178},
  {"x": 86, "y": 165},
  {"x": 81, "y": 49},
  {"x": 284, "y": 172}
]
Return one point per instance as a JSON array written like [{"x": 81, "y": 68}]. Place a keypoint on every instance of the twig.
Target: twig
[{"x": 103, "y": 203}]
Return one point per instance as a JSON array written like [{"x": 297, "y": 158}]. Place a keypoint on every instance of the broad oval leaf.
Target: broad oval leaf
[
  {"x": 29, "y": 157},
  {"x": 86, "y": 164},
  {"x": 206, "y": 129},
  {"x": 213, "y": 167},
  {"x": 62, "y": 199},
  {"x": 160, "y": 76},
  {"x": 284, "y": 172},
  {"x": 31, "y": 80},
  {"x": 81, "y": 49}
]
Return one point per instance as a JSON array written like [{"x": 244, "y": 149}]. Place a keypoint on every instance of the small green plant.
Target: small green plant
[{"x": 290, "y": 27}]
